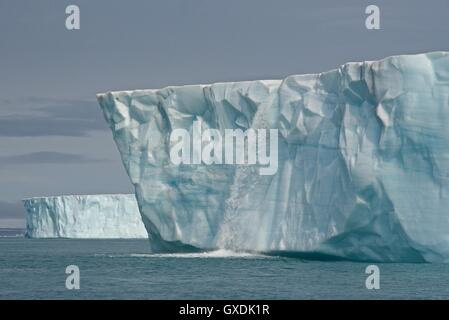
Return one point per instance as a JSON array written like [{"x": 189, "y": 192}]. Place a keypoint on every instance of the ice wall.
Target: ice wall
[
  {"x": 363, "y": 162},
  {"x": 86, "y": 216}
]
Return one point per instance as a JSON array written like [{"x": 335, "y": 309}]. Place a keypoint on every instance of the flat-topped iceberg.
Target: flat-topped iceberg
[
  {"x": 84, "y": 216},
  {"x": 363, "y": 162}
]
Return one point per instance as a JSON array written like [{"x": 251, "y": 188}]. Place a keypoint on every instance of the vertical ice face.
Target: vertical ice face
[
  {"x": 88, "y": 216},
  {"x": 363, "y": 162}
]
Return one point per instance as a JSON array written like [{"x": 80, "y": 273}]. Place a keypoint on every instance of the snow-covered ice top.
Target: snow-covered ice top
[
  {"x": 363, "y": 162},
  {"x": 84, "y": 216}
]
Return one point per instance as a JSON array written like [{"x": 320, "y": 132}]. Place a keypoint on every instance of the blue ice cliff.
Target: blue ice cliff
[
  {"x": 363, "y": 168},
  {"x": 88, "y": 216}
]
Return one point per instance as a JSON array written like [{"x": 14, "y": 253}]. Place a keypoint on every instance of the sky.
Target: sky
[{"x": 53, "y": 138}]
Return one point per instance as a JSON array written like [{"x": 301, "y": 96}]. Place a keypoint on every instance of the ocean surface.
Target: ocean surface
[{"x": 124, "y": 269}]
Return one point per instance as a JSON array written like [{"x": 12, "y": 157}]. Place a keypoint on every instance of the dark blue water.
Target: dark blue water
[{"x": 124, "y": 269}]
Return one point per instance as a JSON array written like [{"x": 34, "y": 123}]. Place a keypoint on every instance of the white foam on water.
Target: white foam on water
[
  {"x": 221, "y": 253},
  {"x": 19, "y": 235}
]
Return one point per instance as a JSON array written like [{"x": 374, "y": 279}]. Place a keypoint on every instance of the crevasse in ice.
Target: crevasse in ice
[{"x": 363, "y": 162}]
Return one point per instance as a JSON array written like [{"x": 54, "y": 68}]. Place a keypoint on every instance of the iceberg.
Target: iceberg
[
  {"x": 84, "y": 216},
  {"x": 363, "y": 162}
]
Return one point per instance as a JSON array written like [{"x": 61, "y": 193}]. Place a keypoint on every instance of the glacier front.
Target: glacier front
[
  {"x": 84, "y": 216},
  {"x": 363, "y": 168}
]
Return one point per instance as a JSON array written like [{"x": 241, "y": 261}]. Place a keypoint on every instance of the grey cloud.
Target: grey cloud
[
  {"x": 47, "y": 157},
  {"x": 10, "y": 210},
  {"x": 47, "y": 117}
]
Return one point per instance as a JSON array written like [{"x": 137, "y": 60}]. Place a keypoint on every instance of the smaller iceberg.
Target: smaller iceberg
[{"x": 84, "y": 216}]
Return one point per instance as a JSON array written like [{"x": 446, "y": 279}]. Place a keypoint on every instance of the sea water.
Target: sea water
[{"x": 125, "y": 269}]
